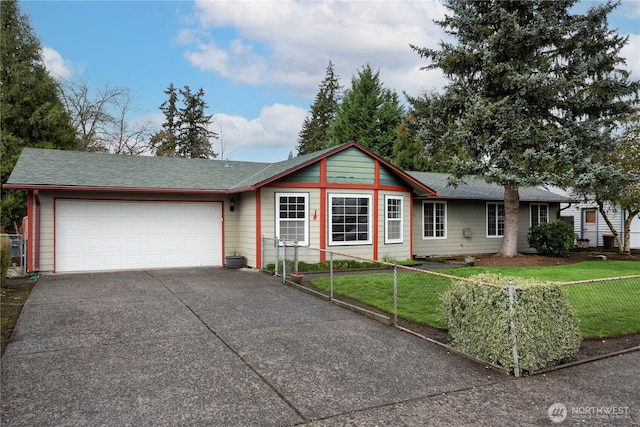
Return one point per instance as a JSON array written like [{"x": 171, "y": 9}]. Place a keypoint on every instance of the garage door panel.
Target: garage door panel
[{"x": 112, "y": 235}]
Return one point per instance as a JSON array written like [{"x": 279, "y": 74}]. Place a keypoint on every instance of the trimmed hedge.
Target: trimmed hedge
[{"x": 478, "y": 316}]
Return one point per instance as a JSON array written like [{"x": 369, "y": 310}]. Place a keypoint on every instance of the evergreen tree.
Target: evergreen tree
[
  {"x": 408, "y": 153},
  {"x": 531, "y": 88},
  {"x": 31, "y": 112},
  {"x": 315, "y": 133},
  {"x": 195, "y": 135},
  {"x": 185, "y": 132},
  {"x": 368, "y": 114},
  {"x": 165, "y": 142}
]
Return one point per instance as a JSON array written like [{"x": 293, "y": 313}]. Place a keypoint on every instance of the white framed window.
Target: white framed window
[
  {"x": 539, "y": 213},
  {"x": 393, "y": 224},
  {"x": 434, "y": 220},
  {"x": 495, "y": 219},
  {"x": 350, "y": 219},
  {"x": 292, "y": 217}
]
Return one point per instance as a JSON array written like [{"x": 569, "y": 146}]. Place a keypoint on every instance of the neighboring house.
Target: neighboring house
[
  {"x": 91, "y": 211},
  {"x": 589, "y": 224}
]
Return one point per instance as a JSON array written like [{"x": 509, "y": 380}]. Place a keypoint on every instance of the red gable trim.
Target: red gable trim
[{"x": 338, "y": 149}]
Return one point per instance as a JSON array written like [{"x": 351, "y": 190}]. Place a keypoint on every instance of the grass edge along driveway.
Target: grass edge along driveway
[{"x": 605, "y": 309}]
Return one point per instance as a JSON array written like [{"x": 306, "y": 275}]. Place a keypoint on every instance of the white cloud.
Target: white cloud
[
  {"x": 58, "y": 67},
  {"x": 632, "y": 54},
  {"x": 274, "y": 131},
  {"x": 267, "y": 138},
  {"x": 290, "y": 42}
]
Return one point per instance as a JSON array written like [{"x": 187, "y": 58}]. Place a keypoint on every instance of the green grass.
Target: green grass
[
  {"x": 559, "y": 273},
  {"x": 605, "y": 309}
]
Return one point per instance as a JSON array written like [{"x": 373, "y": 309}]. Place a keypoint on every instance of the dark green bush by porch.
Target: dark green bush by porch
[
  {"x": 546, "y": 328},
  {"x": 553, "y": 238}
]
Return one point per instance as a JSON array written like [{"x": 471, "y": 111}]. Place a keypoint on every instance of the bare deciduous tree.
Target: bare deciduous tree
[{"x": 101, "y": 118}]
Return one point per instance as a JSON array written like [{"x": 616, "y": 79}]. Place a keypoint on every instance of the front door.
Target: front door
[{"x": 590, "y": 226}]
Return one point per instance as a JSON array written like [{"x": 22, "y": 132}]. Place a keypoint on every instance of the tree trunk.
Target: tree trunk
[
  {"x": 509, "y": 247},
  {"x": 613, "y": 230},
  {"x": 627, "y": 231}
]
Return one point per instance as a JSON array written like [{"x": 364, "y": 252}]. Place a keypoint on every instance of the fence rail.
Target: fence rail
[{"x": 409, "y": 297}]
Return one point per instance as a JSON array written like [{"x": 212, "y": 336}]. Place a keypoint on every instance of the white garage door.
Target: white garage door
[{"x": 115, "y": 235}]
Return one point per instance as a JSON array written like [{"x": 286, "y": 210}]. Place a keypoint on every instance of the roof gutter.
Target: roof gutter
[{"x": 36, "y": 187}]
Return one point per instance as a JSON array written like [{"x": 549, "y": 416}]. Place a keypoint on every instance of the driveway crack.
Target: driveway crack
[{"x": 233, "y": 350}]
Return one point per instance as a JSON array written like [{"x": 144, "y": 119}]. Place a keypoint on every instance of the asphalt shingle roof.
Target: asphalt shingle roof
[
  {"x": 478, "y": 189},
  {"x": 40, "y": 167},
  {"x": 81, "y": 169}
]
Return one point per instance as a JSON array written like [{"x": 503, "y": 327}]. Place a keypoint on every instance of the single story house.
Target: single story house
[
  {"x": 93, "y": 211},
  {"x": 591, "y": 226}
]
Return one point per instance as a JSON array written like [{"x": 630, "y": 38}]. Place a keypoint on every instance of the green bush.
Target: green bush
[
  {"x": 546, "y": 329},
  {"x": 5, "y": 255},
  {"x": 553, "y": 238}
]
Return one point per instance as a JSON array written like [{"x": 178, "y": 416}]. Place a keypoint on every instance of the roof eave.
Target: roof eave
[{"x": 76, "y": 188}]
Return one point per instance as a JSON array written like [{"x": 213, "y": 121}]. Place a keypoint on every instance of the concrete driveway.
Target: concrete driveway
[{"x": 221, "y": 347}]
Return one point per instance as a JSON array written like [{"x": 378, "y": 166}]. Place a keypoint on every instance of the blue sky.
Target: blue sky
[{"x": 259, "y": 62}]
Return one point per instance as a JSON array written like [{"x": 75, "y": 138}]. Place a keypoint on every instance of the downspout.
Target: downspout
[
  {"x": 561, "y": 209},
  {"x": 29, "y": 232},
  {"x": 36, "y": 234}
]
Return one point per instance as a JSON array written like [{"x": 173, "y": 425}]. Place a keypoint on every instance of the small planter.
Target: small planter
[
  {"x": 235, "y": 261},
  {"x": 297, "y": 278},
  {"x": 582, "y": 243}
]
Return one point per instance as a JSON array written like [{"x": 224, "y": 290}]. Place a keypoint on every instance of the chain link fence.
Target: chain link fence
[
  {"x": 607, "y": 307},
  {"x": 18, "y": 256},
  {"x": 410, "y": 297}
]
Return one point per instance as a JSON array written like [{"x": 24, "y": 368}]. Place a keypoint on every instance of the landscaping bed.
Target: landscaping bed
[
  {"x": 589, "y": 348},
  {"x": 373, "y": 293},
  {"x": 13, "y": 295}
]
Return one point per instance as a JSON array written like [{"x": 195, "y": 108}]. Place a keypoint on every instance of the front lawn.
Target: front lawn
[{"x": 605, "y": 309}]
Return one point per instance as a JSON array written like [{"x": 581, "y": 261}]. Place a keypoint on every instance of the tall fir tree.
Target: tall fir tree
[
  {"x": 408, "y": 153},
  {"x": 185, "y": 131},
  {"x": 316, "y": 130},
  {"x": 195, "y": 135},
  {"x": 369, "y": 114},
  {"x": 31, "y": 112},
  {"x": 531, "y": 87},
  {"x": 165, "y": 142}
]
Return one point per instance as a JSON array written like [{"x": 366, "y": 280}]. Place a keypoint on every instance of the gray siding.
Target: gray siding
[{"x": 462, "y": 214}]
